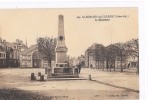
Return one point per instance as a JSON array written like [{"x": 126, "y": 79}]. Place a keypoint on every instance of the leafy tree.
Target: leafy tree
[
  {"x": 132, "y": 48},
  {"x": 111, "y": 54},
  {"x": 121, "y": 53},
  {"x": 46, "y": 46},
  {"x": 100, "y": 54}
]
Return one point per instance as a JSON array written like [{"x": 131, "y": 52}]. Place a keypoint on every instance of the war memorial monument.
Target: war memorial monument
[{"x": 61, "y": 69}]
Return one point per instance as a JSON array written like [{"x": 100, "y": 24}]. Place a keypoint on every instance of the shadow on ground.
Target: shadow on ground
[{"x": 15, "y": 94}]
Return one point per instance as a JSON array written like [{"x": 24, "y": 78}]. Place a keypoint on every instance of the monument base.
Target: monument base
[
  {"x": 61, "y": 70},
  {"x": 64, "y": 72}
]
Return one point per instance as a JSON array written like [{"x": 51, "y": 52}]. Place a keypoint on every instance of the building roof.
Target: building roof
[
  {"x": 30, "y": 50},
  {"x": 2, "y": 48},
  {"x": 11, "y": 45}
]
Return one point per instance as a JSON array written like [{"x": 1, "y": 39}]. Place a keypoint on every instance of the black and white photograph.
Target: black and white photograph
[{"x": 69, "y": 53}]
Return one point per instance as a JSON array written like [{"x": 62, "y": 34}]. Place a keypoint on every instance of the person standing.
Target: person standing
[
  {"x": 79, "y": 67},
  {"x": 128, "y": 65}
]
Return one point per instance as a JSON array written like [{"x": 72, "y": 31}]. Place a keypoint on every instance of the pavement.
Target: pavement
[{"x": 104, "y": 85}]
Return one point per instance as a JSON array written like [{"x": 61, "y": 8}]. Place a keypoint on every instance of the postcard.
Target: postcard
[{"x": 89, "y": 53}]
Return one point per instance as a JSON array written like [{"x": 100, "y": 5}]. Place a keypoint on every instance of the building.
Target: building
[
  {"x": 2, "y": 54},
  {"x": 81, "y": 60},
  {"x": 132, "y": 61},
  {"x": 89, "y": 56},
  {"x": 31, "y": 58},
  {"x": 111, "y": 60},
  {"x": 9, "y": 54},
  {"x": 91, "y": 59},
  {"x": 20, "y": 45},
  {"x": 117, "y": 63}
]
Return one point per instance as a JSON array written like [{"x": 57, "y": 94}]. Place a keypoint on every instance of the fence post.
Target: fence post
[
  {"x": 89, "y": 77},
  {"x": 42, "y": 78},
  {"x": 32, "y": 76}
]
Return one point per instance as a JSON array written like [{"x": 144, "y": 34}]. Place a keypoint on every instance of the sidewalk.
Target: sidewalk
[{"x": 125, "y": 80}]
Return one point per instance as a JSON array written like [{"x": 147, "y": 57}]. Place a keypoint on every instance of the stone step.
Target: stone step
[
  {"x": 60, "y": 74},
  {"x": 65, "y": 76},
  {"x": 63, "y": 79}
]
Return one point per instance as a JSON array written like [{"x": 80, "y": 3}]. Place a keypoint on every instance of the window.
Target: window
[{"x": 2, "y": 55}]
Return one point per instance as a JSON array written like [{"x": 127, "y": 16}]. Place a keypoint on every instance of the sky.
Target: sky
[{"x": 80, "y": 31}]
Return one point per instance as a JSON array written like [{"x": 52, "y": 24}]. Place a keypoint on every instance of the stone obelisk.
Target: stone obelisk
[
  {"x": 61, "y": 48},
  {"x": 61, "y": 68}
]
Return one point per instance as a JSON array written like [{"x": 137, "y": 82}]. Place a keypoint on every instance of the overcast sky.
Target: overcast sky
[{"x": 80, "y": 33}]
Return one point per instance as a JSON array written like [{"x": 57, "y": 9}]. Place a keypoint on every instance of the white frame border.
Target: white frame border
[{"x": 143, "y": 80}]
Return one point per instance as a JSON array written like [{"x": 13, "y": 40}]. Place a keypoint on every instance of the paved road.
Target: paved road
[{"x": 74, "y": 89}]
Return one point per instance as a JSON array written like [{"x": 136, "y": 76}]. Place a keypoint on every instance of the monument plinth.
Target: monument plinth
[{"x": 61, "y": 68}]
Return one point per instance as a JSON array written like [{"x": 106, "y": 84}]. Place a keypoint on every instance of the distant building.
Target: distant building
[
  {"x": 81, "y": 60},
  {"x": 132, "y": 61},
  {"x": 32, "y": 58},
  {"x": 9, "y": 54},
  {"x": 2, "y": 54},
  {"x": 117, "y": 63},
  {"x": 90, "y": 59},
  {"x": 20, "y": 45}
]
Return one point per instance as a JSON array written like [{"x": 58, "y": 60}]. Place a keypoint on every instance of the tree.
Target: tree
[
  {"x": 100, "y": 54},
  {"x": 111, "y": 54},
  {"x": 132, "y": 48},
  {"x": 46, "y": 46},
  {"x": 121, "y": 53}
]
